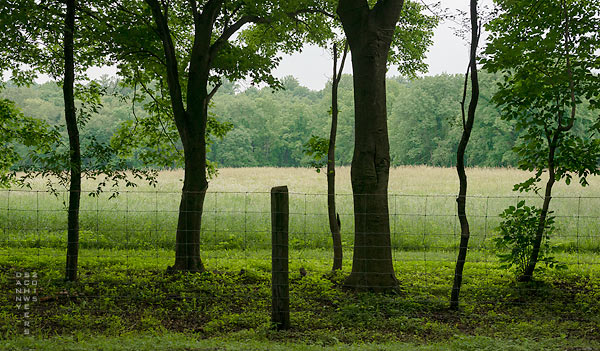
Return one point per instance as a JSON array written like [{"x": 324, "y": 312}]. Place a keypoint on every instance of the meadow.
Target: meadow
[
  {"x": 237, "y": 210},
  {"x": 125, "y": 300}
]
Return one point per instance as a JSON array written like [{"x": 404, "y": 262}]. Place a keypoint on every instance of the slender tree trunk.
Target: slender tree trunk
[
  {"x": 334, "y": 224},
  {"x": 460, "y": 157},
  {"x": 552, "y": 145},
  {"x": 539, "y": 234},
  {"x": 74, "y": 148}
]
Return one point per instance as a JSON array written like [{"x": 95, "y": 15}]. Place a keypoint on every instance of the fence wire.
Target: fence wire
[{"x": 136, "y": 232}]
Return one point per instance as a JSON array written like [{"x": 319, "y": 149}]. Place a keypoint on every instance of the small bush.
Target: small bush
[{"x": 517, "y": 235}]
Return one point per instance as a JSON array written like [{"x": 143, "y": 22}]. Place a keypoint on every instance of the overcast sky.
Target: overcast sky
[
  {"x": 449, "y": 54},
  {"x": 312, "y": 67}
]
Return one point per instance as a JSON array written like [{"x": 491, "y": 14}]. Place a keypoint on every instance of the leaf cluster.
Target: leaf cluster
[
  {"x": 517, "y": 235},
  {"x": 548, "y": 55},
  {"x": 317, "y": 147},
  {"x": 18, "y": 129}
]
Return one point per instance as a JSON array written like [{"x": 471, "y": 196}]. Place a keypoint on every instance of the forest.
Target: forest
[
  {"x": 419, "y": 135},
  {"x": 197, "y": 200}
]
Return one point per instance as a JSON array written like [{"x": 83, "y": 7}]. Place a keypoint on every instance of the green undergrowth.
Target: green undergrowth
[
  {"x": 241, "y": 342},
  {"x": 125, "y": 298}
]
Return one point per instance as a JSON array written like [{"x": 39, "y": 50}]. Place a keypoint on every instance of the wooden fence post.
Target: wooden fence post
[{"x": 280, "y": 289}]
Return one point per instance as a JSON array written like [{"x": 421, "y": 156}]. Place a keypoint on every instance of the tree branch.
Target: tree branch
[
  {"x": 195, "y": 13},
  {"x": 569, "y": 72},
  {"x": 351, "y": 12},
  {"x": 338, "y": 77},
  {"x": 231, "y": 30},
  {"x": 171, "y": 63},
  {"x": 213, "y": 92},
  {"x": 164, "y": 129},
  {"x": 387, "y": 12}
]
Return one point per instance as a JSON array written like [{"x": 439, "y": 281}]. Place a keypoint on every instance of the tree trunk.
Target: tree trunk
[
  {"x": 191, "y": 125},
  {"x": 195, "y": 185},
  {"x": 460, "y": 158},
  {"x": 369, "y": 34},
  {"x": 187, "y": 242},
  {"x": 537, "y": 243},
  {"x": 334, "y": 224},
  {"x": 74, "y": 148}
]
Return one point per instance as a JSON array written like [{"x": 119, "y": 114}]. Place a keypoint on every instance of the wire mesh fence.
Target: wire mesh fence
[{"x": 135, "y": 231}]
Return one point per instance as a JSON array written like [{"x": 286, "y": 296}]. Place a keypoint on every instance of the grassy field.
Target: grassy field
[
  {"x": 125, "y": 301},
  {"x": 236, "y": 214}
]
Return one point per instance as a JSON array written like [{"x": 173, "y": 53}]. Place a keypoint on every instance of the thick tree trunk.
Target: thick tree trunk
[
  {"x": 369, "y": 33},
  {"x": 460, "y": 158},
  {"x": 74, "y": 148},
  {"x": 191, "y": 125},
  {"x": 195, "y": 185},
  {"x": 372, "y": 266},
  {"x": 187, "y": 243}
]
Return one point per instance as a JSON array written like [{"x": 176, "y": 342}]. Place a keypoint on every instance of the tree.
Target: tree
[
  {"x": 45, "y": 30},
  {"x": 334, "y": 217},
  {"x": 467, "y": 124},
  {"x": 186, "y": 49},
  {"x": 548, "y": 54},
  {"x": 370, "y": 33},
  {"x": 18, "y": 129},
  {"x": 321, "y": 148},
  {"x": 35, "y": 29},
  {"x": 74, "y": 146}
]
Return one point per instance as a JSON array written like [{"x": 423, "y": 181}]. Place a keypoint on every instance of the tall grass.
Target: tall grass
[{"x": 237, "y": 211}]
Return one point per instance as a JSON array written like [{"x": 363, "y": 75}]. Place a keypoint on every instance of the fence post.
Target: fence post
[{"x": 280, "y": 311}]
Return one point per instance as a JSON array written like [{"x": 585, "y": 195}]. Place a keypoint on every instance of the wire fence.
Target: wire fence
[
  {"x": 135, "y": 231},
  {"x": 242, "y": 221}
]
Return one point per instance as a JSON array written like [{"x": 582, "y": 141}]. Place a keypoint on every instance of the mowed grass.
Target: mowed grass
[{"x": 237, "y": 210}]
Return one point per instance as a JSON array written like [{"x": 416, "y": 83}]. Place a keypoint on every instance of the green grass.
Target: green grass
[
  {"x": 124, "y": 300},
  {"x": 237, "y": 211},
  {"x": 122, "y": 294},
  {"x": 186, "y": 342}
]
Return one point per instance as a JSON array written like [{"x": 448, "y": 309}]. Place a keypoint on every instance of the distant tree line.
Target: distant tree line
[{"x": 270, "y": 127}]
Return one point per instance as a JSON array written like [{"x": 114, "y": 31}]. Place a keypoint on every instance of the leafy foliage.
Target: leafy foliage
[
  {"x": 18, "y": 129},
  {"x": 424, "y": 123},
  {"x": 517, "y": 234},
  {"x": 36, "y": 32},
  {"x": 547, "y": 53},
  {"x": 316, "y": 147}
]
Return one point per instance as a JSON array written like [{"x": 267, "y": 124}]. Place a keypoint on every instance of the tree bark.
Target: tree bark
[
  {"x": 369, "y": 33},
  {"x": 334, "y": 224},
  {"x": 191, "y": 124},
  {"x": 460, "y": 157},
  {"x": 539, "y": 234},
  {"x": 74, "y": 147},
  {"x": 189, "y": 224}
]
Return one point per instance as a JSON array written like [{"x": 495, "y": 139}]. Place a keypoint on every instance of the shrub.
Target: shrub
[{"x": 517, "y": 235}]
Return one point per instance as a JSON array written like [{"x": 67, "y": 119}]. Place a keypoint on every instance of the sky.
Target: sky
[
  {"x": 312, "y": 66},
  {"x": 448, "y": 54}
]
